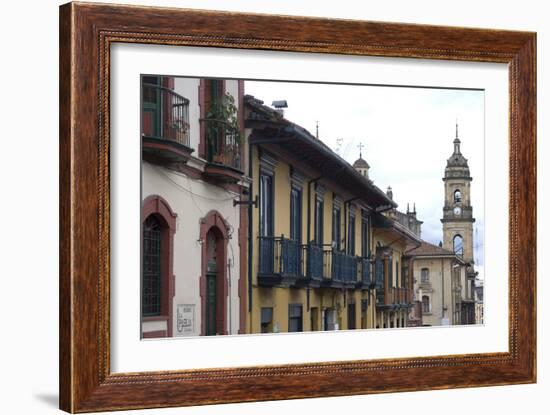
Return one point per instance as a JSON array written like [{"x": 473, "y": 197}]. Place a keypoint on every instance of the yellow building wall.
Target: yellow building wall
[{"x": 279, "y": 298}]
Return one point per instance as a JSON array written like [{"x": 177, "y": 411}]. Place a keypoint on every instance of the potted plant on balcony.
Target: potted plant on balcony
[{"x": 223, "y": 133}]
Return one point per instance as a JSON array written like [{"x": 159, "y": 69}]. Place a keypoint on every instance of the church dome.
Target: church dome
[{"x": 361, "y": 163}]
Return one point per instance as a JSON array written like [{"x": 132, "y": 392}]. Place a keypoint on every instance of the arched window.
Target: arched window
[
  {"x": 152, "y": 272},
  {"x": 424, "y": 275},
  {"x": 458, "y": 245},
  {"x": 457, "y": 196},
  {"x": 157, "y": 283}
]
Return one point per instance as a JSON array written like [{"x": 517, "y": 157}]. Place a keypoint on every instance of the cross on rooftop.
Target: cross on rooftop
[{"x": 361, "y": 145}]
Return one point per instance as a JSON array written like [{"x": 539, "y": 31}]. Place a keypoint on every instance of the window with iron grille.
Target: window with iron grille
[{"x": 152, "y": 255}]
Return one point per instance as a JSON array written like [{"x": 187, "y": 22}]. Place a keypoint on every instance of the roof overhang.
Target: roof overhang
[{"x": 315, "y": 153}]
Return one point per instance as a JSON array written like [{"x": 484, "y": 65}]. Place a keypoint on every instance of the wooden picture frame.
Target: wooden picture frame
[{"x": 86, "y": 33}]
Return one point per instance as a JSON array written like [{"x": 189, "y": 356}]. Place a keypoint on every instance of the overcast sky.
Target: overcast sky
[{"x": 407, "y": 135}]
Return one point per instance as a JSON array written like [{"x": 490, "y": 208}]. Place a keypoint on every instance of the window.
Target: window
[
  {"x": 295, "y": 318},
  {"x": 267, "y": 320},
  {"x": 351, "y": 233},
  {"x": 152, "y": 258},
  {"x": 319, "y": 209},
  {"x": 458, "y": 245},
  {"x": 296, "y": 214},
  {"x": 267, "y": 243},
  {"x": 365, "y": 248},
  {"x": 426, "y": 304},
  {"x": 336, "y": 227},
  {"x": 457, "y": 196},
  {"x": 266, "y": 204},
  {"x": 424, "y": 275}
]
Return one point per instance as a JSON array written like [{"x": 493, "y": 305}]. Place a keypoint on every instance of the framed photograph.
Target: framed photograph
[{"x": 260, "y": 207}]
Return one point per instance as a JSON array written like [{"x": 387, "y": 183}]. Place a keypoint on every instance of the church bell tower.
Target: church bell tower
[{"x": 458, "y": 217}]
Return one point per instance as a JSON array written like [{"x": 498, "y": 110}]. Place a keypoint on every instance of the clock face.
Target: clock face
[{"x": 457, "y": 210}]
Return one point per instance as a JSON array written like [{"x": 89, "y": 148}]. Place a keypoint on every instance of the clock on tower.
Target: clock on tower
[{"x": 457, "y": 211}]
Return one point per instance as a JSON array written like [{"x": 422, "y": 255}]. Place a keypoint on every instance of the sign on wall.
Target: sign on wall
[{"x": 185, "y": 319}]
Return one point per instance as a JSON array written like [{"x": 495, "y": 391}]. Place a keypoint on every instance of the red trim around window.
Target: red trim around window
[{"x": 158, "y": 206}]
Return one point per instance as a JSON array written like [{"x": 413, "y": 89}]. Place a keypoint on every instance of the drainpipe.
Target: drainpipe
[
  {"x": 250, "y": 236},
  {"x": 442, "y": 292}
]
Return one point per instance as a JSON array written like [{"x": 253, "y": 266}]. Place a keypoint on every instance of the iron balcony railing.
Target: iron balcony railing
[
  {"x": 165, "y": 114},
  {"x": 279, "y": 256},
  {"x": 343, "y": 267},
  {"x": 223, "y": 143},
  {"x": 288, "y": 258},
  {"x": 313, "y": 268},
  {"x": 364, "y": 265}
]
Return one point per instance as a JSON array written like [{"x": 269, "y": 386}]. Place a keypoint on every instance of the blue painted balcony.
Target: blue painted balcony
[
  {"x": 365, "y": 281},
  {"x": 311, "y": 273},
  {"x": 280, "y": 261}
]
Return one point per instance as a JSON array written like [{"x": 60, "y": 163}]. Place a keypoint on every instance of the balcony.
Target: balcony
[
  {"x": 285, "y": 262},
  {"x": 223, "y": 151},
  {"x": 311, "y": 274},
  {"x": 280, "y": 261},
  {"x": 393, "y": 298},
  {"x": 165, "y": 125},
  {"x": 343, "y": 268},
  {"x": 365, "y": 282},
  {"x": 339, "y": 269}
]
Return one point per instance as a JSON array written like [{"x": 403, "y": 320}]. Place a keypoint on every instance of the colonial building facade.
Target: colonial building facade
[
  {"x": 250, "y": 224},
  {"x": 312, "y": 232},
  {"x": 194, "y": 236}
]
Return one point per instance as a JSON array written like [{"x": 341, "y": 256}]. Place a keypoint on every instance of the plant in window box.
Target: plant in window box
[{"x": 222, "y": 131}]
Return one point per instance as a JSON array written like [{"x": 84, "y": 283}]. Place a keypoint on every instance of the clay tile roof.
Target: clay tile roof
[{"x": 428, "y": 249}]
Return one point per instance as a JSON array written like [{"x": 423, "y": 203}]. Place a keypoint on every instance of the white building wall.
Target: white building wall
[{"x": 191, "y": 200}]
